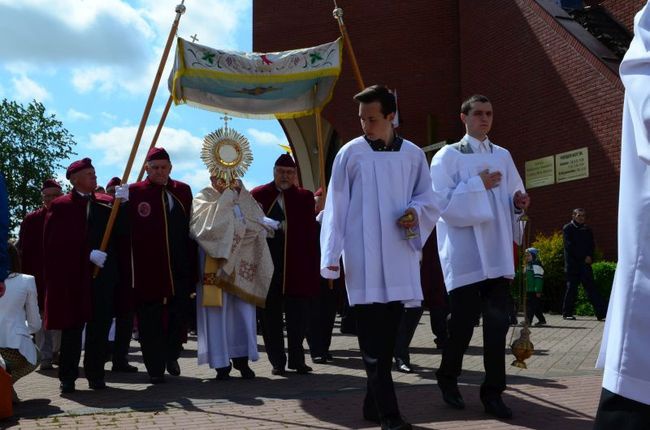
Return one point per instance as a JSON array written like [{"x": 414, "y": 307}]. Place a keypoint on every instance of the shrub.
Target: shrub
[{"x": 603, "y": 278}]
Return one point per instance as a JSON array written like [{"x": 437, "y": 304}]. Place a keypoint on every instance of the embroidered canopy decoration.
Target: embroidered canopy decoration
[{"x": 275, "y": 85}]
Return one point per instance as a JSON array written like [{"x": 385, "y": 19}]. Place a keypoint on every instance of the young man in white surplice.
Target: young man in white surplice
[
  {"x": 485, "y": 197},
  {"x": 379, "y": 211}
]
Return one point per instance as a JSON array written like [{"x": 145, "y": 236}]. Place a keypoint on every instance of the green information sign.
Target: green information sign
[{"x": 540, "y": 172}]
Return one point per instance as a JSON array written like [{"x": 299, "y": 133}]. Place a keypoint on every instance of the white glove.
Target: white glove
[
  {"x": 271, "y": 223},
  {"x": 98, "y": 258},
  {"x": 122, "y": 192},
  {"x": 319, "y": 217}
]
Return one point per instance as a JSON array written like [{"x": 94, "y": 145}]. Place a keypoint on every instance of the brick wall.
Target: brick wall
[
  {"x": 548, "y": 98},
  {"x": 410, "y": 46},
  {"x": 624, "y": 10}
]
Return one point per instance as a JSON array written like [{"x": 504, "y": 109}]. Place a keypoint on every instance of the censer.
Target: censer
[{"x": 522, "y": 348}]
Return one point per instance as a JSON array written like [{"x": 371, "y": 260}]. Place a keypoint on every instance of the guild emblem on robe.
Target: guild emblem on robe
[
  {"x": 144, "y": 209},
  {"x": 227, "y": 154}
]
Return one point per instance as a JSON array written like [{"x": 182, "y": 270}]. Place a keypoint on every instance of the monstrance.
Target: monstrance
[{"x": 226, "y": 153}]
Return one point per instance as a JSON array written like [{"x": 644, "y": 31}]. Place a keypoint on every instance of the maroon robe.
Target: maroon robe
[
  {"x": 153, "y": 280},
  {"x": 67, "y": 269},
  {"x": 30, "y": 245},
  {"x": 301, "y": 262}
]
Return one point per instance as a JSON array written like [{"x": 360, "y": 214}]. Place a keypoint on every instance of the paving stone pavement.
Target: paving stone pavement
[{"x": 559, "y": 390}]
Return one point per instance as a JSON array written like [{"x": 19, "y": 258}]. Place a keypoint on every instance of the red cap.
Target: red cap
[
  {"x": 157, "y": 154},
  {"x": 285, "y": 160},
  {"x": 50, "y": 183},
  {"x": 78, "y": 165},
  {"x": 115, "y": 181},
  {"x": 319, "y": 192}
]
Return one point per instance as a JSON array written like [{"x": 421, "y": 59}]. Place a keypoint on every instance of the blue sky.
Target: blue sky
[{"x": 92, "y": 63}]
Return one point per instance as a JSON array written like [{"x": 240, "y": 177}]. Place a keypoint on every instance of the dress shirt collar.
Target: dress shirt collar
[
  {"x": 378, "y": 145},
  {"x": 479, "y": 147}
]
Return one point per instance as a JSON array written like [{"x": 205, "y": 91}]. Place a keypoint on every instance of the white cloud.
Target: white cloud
[
  {"x": 265, "y": 138},
  {"x": 26, "y": 90},
  {"x": 108, "y": 116},
  {"x": 109, "y": 45},
  {"x": 75, "y": 115}
]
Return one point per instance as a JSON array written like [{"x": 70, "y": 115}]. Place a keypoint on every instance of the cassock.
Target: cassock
[
  {"x": 624, "y": 349},
  {"x": 74, "y": 226},
  {"x": 228, "y": 228},
  {"x": 368, "y": 191},
  {"x": 476, "y": 230},
  {"x": 162, "y": 250},
  {"x": 299, "y": 261},
  {"x": 30, "y": 244}
]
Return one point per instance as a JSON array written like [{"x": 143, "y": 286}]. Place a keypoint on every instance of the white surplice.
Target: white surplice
[
  {"x": 368, "y": 191},
  {"x": 477, "y": 228},
  {"x": 624, "y": 350}
]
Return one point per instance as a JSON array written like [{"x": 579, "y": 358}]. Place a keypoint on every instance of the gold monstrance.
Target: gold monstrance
[{"x": 227, "y": 154}]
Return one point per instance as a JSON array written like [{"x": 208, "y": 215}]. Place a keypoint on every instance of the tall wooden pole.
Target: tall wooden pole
[
  {"x": 338, "y": 15},
  {"x": 163, "y": 117},
  {"x": 180, "y": 10}
]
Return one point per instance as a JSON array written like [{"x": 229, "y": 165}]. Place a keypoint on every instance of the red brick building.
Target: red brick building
[{"x": 553, "y": 84}]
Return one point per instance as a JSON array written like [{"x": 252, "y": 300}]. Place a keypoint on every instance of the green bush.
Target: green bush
[{"x": 603, "y": 278}]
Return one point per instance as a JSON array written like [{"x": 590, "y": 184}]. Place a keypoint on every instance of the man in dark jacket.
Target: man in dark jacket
[{"x": 578, "y": 255}]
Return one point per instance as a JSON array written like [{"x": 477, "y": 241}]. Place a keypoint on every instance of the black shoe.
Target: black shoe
[
  {"x": 540, "y": 323},
  {"x": 371, "y": 415},
  {"x": 67, "y": 387},
  {"x": 569, "y": 318},
  {"x": 278, "y": 371},
  {"x": 600, "y": 318},
  {"x": 319, "y": 360},
  {"x": 173, "y": 368},
  {"x": 123, "y": 366},
  {"x": 401, "y": 366},
  {"x": 497, "y": 408},
  {"x": 157, "y": 379},
  {"x": 247, "y": 373},
  {"x": 302, "y": 369},
  {"x": 452, "y": 397},
  {"x": 223, "y": 373},
  {"x": 97, "y": 384},
  {"x": 395, "y": 423},
  {"x": 329, "y": 356}
]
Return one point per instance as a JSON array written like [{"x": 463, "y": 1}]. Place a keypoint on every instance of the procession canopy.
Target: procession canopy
[{"x": 276, "y": 85}]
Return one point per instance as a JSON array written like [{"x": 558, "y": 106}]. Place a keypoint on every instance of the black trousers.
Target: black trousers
[
  {"x": 377, "y": 325},
  {"x": 534, "y": 308},
  {"x": 123, "y": 333},
  {"x": 161, "y": 332},
  {"x": 296, "y": 312},
  {"x": 585, "y": 277},
  {"x": 95, "y": 349},
  {"x": 407, "y": 326},
  {"x": 322, "y": 312},
  {"x": 618, "y": 412},
  {"x": 438, "y": 318},
  {"x": 488, "y": 298}
]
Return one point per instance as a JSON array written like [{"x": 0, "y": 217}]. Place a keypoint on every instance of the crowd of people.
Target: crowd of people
[{"x": 251, "y": 258}]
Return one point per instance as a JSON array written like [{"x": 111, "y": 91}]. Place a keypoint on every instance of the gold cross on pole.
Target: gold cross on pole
[{"x": 194, "y": 38}]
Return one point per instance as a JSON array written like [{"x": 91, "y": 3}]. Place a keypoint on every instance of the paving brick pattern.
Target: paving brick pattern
[{"x": 559, "y": 390}]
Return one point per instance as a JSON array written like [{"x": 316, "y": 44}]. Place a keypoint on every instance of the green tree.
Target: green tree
[{"x": 32, "y": 144}]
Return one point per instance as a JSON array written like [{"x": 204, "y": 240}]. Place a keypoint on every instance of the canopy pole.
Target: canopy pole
[
  {"x": 180, "y": 10},
  {"x": 338, "y": 15},
  {"x": 163, "y": 117}
]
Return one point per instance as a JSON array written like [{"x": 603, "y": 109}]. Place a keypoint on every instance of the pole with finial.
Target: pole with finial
[
  {"x": 180, "y": 10},
  {"x": 338, "y": 16}
]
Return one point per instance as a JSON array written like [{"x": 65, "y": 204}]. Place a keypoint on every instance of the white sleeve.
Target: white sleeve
[
  {"x": 334, "y": 217},
  {"x": 635, "y": 74},
  {"x": 427, "y": 204},
  {"x": 515, "y": 184},
  {"x": 467, "y": 201},
  {"x": 31, "y": 308}
]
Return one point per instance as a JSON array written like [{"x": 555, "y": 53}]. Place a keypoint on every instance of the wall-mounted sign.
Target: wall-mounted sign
[
  {"x": 572, "y": 165},
  {"x": 540, "y": 172}
]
